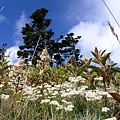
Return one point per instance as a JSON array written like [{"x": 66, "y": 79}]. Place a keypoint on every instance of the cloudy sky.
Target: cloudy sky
[{"x": 87, "y": 18}]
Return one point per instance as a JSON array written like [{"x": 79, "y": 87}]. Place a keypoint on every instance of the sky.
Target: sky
[{"x": 87, "y": 18}]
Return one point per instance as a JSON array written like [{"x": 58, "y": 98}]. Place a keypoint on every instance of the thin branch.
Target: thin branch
[{"x": 36, "y": 48}]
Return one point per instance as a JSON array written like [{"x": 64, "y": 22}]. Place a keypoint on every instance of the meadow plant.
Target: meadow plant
[
  {"x": 67, "y": 92},
  {"x": 42, "y": 64},
  {"x": 4, "y": 70}
]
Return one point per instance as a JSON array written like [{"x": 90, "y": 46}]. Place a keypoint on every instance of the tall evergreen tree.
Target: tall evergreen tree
[
  {"x": 67, "y": 49},
  {"x": 59, "y": 50},
  {"x": 31, "y": 33}
]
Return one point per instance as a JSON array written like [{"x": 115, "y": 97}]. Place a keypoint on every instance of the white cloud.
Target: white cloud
[
  {"x": 18, "y": 28},
  {"x": 94, "y": 29},
  {"x": 12, "y": 53},
  {"x": 82, "y": 10},
  {"x": 17, "y": 38},
  {"x": 2, "y": 18}
]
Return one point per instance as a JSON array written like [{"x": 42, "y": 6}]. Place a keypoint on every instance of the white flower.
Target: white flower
[
  {"x": 59, "y": 107},
  {"x": 45, "y": 101},
  {"x": 47, "y": 86},
  {"x": 64, "y": 101},
  {"x": 1, "y": 85},
  {"x": 105, "y": 109},
  {"x": 4, "y": 97},
  {"x": 54, "y": 102},
  {"x": 69, "y": 108},
  {"x": 55, "y": 93},
  {"x": 11, "y": 73},
  {"x": 64, "y": 94},
  {"x": 67, "y": 85},
  {"x": 57, "y": 86},
  {"x": 75, "y": 79},
  {"x": 83, "y": 87},
  {"x": 113, "y": 118},
  {"x": 92, "y": 95},
  {"x": 28, "y": 90},
  {"x": 99, "y": 78},
  {"x": 104, "y": 93}
]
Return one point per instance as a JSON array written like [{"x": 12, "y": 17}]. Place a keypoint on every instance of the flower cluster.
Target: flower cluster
[
  {"x": 105, "y": 109},
  {"x": 31, "y": 93},
  {"x": 17, "y": 76},
  {"x": 44, "y": 60},
  {"x": 1, "y": 85},
  {"x": 76, "y": 79},
  {"x": 4, "y": 97},
  {"x": 68, "y": 90},
  {"x": 99, "y": 78}
]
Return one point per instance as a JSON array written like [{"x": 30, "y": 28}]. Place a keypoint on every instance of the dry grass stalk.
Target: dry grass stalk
[{"x": 113, "y": 32}]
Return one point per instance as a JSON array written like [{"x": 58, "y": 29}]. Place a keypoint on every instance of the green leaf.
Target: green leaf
[
  {"x": 94, "y": 67},
  {"x": 104, "y": 58},
  {"x": 115, "y": 69},
  {"x": 89, "y": 61},
  {"x": 83, "y": 67},
  {"x": 103, "y": 53},
  {"x": 95, "y": 55},
  {"x": 95, "y": 61},
  {"x": 73, "y": 62},
  {"x": 96, "y": 51}
]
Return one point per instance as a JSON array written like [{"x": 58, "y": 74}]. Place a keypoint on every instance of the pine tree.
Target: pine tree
[{"x": 59, "y": 50}]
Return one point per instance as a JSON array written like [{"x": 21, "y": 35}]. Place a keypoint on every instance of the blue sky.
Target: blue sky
[
  {"x": 14, "y": 10},
  {"x": 87, "y": 18}
]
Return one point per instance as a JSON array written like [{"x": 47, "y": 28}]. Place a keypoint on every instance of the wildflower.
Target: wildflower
[
  {"x": 45, "y": 60},
  {"x": 84, "y": 87},
  {"x": 28, "y": 90},
  {"x": 54, "y": 102},
  {"x": 113, "y": 118},
  {"x": 4, "y": 97},
  {"x": 99, "y": 78},
  {"x": 11, "y": 73},
  {"x": 64, "y": 101},
  {"x": 67, "y": 85},
  {"x": 82, "y": 80},
  {"x": 69, "y": 108},
  {"x": 47, "y": 86},
  {"x": 55, "y": 93},
  {"x": 1, "y": 85},
  {"x": 92, "y": 95},
  {"x": 59, "y": 107},
  {"x": 45, "y": 101},
  {"x": 75, "y": 79},
  {"x": 33, "y": 98},
  {"x": 105, "y": 109},
  {"x": 57, "y": 86},
  {"x": 64, "y": 94}
]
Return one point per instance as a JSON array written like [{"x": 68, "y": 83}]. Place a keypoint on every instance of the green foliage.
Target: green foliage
[
  {"x": 4, "y": 70},
  {"x": 33, "y": 75},
  {"x": 59, "y": 87},
  {"x": 59, "y": 50},
  {"x": 55, "y": 74}
]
